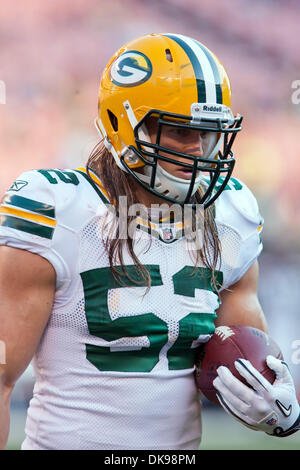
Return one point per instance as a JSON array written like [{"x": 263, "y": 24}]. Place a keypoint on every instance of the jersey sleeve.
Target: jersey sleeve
[
  {"x": 32, "y": 218},
  {"x": 239, "y": 211}
]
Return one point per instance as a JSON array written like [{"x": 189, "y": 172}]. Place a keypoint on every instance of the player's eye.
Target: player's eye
[{"x": 177, "y": 131}]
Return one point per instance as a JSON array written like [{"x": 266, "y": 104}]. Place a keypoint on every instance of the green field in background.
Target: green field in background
[{"x": 220, "y": 432}]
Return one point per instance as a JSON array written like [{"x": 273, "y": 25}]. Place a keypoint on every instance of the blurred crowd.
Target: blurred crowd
[{"x": 52, "y": 56}]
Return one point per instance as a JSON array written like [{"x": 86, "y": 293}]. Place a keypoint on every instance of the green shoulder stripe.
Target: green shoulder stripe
[
  {"x": 26, "y": 226},
  {"x": 30, "y": 205}
]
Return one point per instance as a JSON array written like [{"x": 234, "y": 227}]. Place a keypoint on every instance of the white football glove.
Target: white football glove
[{"x": 273, "y": 409}]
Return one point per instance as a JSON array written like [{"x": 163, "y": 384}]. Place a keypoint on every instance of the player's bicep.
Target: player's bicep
[
  {"x": 27, "y": 286},
  {"x": 240, "y": 304}
]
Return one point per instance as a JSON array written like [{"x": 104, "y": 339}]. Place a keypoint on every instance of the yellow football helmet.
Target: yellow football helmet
[{"x": 181, "y": 83}]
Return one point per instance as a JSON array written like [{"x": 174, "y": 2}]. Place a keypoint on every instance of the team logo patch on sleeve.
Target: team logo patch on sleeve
[
  {"x": 27, "y": 215},
  {"x": 131, "y": 68}
]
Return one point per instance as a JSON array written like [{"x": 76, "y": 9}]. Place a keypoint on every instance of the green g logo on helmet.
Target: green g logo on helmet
[{"x": 131, "y": 68}]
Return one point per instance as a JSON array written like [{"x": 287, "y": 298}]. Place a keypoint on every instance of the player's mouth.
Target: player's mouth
[{"x": 184, "y": 173}]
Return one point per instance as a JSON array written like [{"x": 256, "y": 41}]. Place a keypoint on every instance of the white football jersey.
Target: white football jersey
[{"x": 115, "y": 366}]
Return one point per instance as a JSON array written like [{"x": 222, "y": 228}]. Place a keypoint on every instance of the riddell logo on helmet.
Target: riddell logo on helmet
[{"x": 212, "y": 108}]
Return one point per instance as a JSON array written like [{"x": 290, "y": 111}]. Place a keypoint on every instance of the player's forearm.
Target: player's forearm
[{"x": 5, "y": 394}]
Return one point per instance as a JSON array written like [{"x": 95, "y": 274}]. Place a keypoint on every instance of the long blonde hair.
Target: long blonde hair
[{"x": 117, "y": 183}]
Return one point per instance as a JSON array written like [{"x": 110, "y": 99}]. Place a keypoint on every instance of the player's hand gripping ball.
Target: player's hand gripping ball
[{"x": 228, "y": 344}]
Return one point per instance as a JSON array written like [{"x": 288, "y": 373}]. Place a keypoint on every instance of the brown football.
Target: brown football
[{"x": 227, "y": 344}]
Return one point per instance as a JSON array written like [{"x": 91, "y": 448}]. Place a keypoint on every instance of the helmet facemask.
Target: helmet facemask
[{"x": 216, "y": 128}]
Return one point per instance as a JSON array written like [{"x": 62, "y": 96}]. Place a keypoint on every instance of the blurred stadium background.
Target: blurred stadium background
[{"x": 52, "y": 55}]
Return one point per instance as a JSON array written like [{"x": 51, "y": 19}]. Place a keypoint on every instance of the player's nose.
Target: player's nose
[{"x": 194, "y": 148}]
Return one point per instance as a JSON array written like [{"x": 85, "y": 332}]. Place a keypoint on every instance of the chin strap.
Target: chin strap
[{"x": 169, "y": 185}]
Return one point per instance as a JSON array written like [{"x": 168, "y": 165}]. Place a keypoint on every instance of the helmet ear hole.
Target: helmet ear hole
[
  {"x": 169, "y": 55},
  {"x": 113, "y": 120}
]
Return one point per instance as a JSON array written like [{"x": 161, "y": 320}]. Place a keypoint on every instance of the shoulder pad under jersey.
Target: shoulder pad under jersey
[
  {"x": 239, "y": 226},
  {"x": 43, "y": 211},
  {"x": 237, "y": 207}
]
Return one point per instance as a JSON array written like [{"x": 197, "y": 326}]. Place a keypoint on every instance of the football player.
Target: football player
[{"x": 112, "y": 316}]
